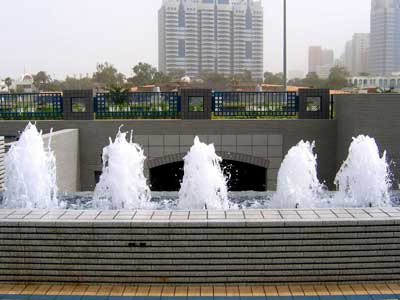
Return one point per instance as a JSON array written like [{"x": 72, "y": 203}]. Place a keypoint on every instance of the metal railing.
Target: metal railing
[
  {"x": 146, "y": 105},
  {"x": 255, "y": 104},
  {"x": 31, "y": 106}
]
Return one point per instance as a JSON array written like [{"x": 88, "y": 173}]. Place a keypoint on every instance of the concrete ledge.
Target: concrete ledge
[{"x": 201, "y": 247}]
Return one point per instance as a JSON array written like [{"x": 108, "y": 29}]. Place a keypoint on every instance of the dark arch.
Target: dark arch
[
  {"x": 245, "y": 173},
  {"x": 239, "y": 157}
]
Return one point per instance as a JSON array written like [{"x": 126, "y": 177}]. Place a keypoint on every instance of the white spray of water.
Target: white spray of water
[
  {"x": 298, "y": 184},
  {"x": 122, "y": 184},
  {"x": 363, "y": 179},
  {"x": 30, "y": 179},
  {"x": 204, "y": 184}
]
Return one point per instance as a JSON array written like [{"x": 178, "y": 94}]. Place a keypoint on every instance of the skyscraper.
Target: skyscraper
[
  {"x": 384, "y": 54},
  {"x": 318, "y": 57},
  {"x": 356, "y": 53},
  {"x": 211, "y": 36}
]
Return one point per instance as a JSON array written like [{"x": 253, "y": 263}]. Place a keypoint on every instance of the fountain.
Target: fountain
[
  {"x": 298, "y": 185},
  {"x": 363, "y": 179},
  {"x": 122, "y": 184},
  {"x": 30, "y": 180},
  {"x": 204, "y": 184}
]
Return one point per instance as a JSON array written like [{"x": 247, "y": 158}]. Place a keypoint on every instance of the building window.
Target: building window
[
  {"x": 313, "y": 104},
  {"x": 196, "y": 104},
  {"x": 181, "y": 16},
  {"x": 78, "y": 105},
  {"x": 181, "y": 48},
  {"x": 249, "y": 50},
  {"x": 249, "y": 18}
]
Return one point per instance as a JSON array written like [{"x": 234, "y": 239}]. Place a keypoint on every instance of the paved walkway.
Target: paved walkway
[
  {"x": 292, "y": 292},
  {"x": 333, "y": 214}
]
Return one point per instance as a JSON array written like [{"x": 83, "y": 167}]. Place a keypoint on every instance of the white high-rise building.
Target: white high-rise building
[
  {"x": 384, "y": 54},
  {"x": 211, "y": 36}
]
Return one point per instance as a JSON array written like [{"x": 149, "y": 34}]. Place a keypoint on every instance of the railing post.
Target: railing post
[
  {"x": 196, "y": 104},
  {"x": 314, "y": 103},
  {"x": 78, "y": 105}
]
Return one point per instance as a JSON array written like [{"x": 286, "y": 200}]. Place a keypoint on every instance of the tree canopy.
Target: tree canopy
[
  {"x": 271, "y": 78},
  {"x": 107, "y": 76}
]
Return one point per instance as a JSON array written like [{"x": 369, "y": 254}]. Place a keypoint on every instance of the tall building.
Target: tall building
[
  {"x": 319, "y": 57},
  {"x": 314, "y": 58},
  {"x": 384, "y": 54},
  {"x": 347, "y": 57},
  {"x": 356, "y": 54},
  {"x": 218, "y": 36},
  {"x": 360, "y": 52}
]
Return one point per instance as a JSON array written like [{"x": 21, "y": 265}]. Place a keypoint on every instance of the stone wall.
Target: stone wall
[
  {"x": 94, "y": 135},
  {"x": 376, "y": 115},
  {"x": 65, "y": 145},
  {"x": 251, "y": 247}
]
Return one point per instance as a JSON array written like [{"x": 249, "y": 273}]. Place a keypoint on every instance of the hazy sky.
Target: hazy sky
[{"x": 71, "y": 36}]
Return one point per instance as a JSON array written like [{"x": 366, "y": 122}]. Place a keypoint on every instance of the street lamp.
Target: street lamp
[{"x": 284, "y": 47}]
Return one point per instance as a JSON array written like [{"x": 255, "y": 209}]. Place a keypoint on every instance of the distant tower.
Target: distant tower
[
  {"x": 217, "y": 36},
  {"x": 384, "y": 53}
]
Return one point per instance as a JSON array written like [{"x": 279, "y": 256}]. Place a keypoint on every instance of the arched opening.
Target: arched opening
[{"x": 242, "y": 176}]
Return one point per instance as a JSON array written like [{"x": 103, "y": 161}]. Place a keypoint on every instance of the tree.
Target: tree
[
  {"x": 244, "y": 77},
  {"x": 41, "y": 80},
  {"x": 107, "y": 75},
  {"x": 296, "y": 82},
  {"x": 312, "y": 80},
  {"x": 8, "y": 82},
  {"x": 271, "y": 78},
  {"x": 176, "y": 74},
  {"x": 72, "y": 83},
  {"x": 161, "y": 77},
  {"x": 337, "y": 78},
  {"x": 143, "y": 74},
  {"x": 213, "y": 79}
]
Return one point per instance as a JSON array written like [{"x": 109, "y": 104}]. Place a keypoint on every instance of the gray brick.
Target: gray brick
[
  {"x": 275, "y": 151},
  {"x": 248, "y": 150},
  {"x": 156, "y": 140},
  {"x": 186, "y": 140},
  {"x": 244, "y": 140},
  {"x": 260, "y": 151},
  {"x": 274, "y": 162},
  {"x": 229, "y": 140},
  {"x": 260, "y": 140},
  {"x": 272, "y": 174},
  {"x": 156, "y": 152},
  {"x": 275, "y": 140},
  {"x": 142, "y": 140},
  {"x": 229, "y": 149},
  {"x": 169, "y": 150},
  {"x": 171, "y": 140},
  {"x": 214, "y": 139}
]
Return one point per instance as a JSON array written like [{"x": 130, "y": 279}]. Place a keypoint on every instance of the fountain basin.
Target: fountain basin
[{"x": 259, "y": 246}]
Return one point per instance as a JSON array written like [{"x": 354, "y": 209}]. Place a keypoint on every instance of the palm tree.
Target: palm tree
[{"x": 8, "y": 82}]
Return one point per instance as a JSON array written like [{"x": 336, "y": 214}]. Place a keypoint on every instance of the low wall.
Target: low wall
[{"x": 200, "y": 247}]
